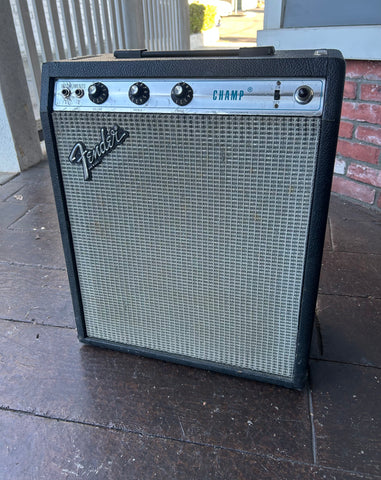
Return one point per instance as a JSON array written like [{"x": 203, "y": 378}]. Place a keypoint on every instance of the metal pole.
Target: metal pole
[{"x": 134, "y": 24}]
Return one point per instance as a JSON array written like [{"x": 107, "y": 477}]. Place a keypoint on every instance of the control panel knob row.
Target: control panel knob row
[{"x": 139, "y": 93}]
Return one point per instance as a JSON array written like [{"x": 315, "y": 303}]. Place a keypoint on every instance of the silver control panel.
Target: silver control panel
[{"x": 221, "y": 96}]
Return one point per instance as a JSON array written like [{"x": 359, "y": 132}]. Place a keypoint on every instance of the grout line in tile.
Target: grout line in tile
[
  {"x": 373, "y": 297},
  {"x": 67, "y": 327},
  {"x": 39, "y": 324},
  {"x": 353, "y": 364},
  {"x": 13, "y": 193},
  {"x": 32, "y": 265},
  {"x": 16, "y": 229},
  {"x": 16, "y": 220},
  {"x": 115, "y": 428},
  {"x": 351, "y": 252},
  {"x": 9, "y": 227},
  {"x": 331, "y": 233},
  {"x": 319, "y": 336},
  {"x": 312, "y": 422},
  {"x": 340, "y": 250}
]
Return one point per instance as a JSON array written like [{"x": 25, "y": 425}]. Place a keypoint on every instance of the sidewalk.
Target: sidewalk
[
  {"x": 239, "y": 30},
  {"x": 73, "y": 411}
]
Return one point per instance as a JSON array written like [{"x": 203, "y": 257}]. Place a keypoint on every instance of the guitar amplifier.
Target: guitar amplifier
[{"x": 192, "y": 190}]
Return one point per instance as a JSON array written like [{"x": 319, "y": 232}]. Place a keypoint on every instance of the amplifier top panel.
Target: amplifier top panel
[
  {"x": 246, "y": 81},
  {"x": 298, "y": 96}
]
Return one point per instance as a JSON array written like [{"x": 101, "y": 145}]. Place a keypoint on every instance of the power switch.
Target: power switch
[{"x": 276, "y": 94}]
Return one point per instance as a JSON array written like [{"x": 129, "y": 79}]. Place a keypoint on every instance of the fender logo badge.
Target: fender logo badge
[{"x": 91, "y": 158}]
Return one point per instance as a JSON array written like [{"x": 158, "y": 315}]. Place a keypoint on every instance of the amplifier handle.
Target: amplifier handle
[{"x": 239, "y": 52}]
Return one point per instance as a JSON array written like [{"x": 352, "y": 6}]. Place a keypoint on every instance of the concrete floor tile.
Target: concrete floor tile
[
  {"x": 343, "y": 209},
  {"x": 347, "y": 416},
  {"x": 349, "y": 330},
  {"x": 41, "y": 247},
  {"x": 44, "y": 293},
  {"x": 5, "y": 177},
  {"x": 328, "y": 237},
  {"x": 354, "y": 229},
  {"x": 46, "y": 449},
  {"x": 47, "y": 372},
  {"x": 32, "y": 194},
  {"x": 39, "y": 173},
  {"x": 11, "y": 213},
  {"x": 360, "y": 237},
  {"x": 10, "y": 188},
  {"x": 39, "y": 218},
  {"x": 352, "y": 274}
]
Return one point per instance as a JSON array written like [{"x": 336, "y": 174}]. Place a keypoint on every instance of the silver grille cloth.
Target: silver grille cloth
[{"x": 190, "y": 239}]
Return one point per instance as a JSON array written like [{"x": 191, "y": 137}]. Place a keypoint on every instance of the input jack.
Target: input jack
[
  {"x": 304, "y": 94},
  {"x": 65, "y": 92},
  {"x": 79, "y": 92}
]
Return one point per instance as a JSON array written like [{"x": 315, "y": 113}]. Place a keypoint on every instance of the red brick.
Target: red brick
[
  {"x": 354, "y": 190},
  {"x": 370, "y": 70},
  {"x": 379, "y": 202},
  {"x": 370, "y": 92},
  {"x": 364, "y": 112},
  {"x": 364, "y": 153},
  {"x": 350, "y": 89},
  {"x": 369, "y": 134},
  {"x": 346, "y": 129},
  {"x": 364, "y": 174}
]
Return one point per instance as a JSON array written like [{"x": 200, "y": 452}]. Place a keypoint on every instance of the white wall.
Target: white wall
[
  {"x": 355, "y": 42},
  {"x": 358, "y": 42},
  {"x": 8, "y": 155}
]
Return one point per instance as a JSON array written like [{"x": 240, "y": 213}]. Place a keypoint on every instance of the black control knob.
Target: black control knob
[
  {"x": 182, "y": 94},
  {"x": 139, "y": 93},
  {"x": 98, "y": 93}
]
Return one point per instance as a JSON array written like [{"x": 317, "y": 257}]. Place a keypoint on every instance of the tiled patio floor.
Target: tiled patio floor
[{"x": 73, "y": 411}]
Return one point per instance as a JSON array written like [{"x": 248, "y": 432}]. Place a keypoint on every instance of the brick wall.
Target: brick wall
[{"x": 358, "y": 161}]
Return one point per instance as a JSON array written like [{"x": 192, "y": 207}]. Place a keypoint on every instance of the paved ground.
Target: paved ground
[
  {"x": 72, "y": 411},
  {"x": 238, "y": 30},
  {"x": 241, "y": 29}
]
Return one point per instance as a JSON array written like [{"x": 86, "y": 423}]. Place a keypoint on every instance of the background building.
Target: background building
[{"x": 355, "y": 29}]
